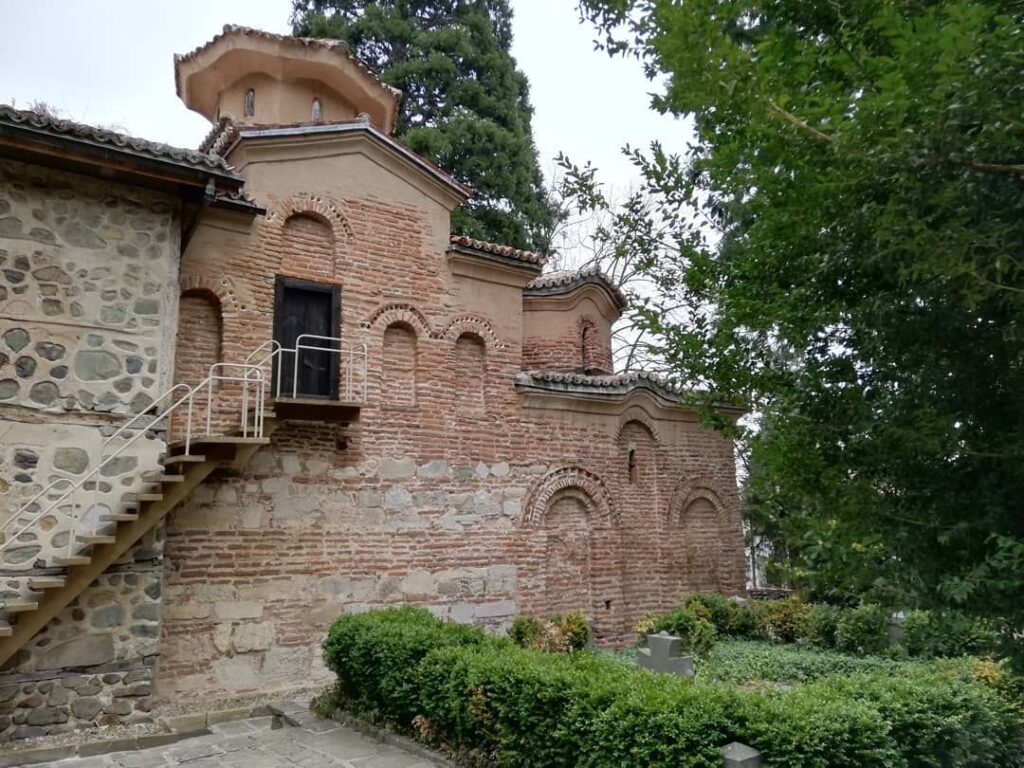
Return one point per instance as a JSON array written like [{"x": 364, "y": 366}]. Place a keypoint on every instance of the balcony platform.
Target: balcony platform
[{"x": 316, "y": 409}]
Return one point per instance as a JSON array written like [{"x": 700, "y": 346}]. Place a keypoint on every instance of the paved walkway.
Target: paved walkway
[{"x": 255, "y": 744}]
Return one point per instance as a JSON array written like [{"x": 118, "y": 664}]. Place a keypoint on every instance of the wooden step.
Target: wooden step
[
  {"x": 19, "y": 606},
  {"x": 183, "y": 459},
  {"x": 5, "y": 629},
  {"x": 119, "y": 517},
  {"x": 95, "y": 538},
  {"x": 157, "y": 477},
  {"x": 75, "y": 560},
  {"x": 46, "y": 582},
  {"x": 218, "y": 440},
  {"x": 128, "y": 498}
]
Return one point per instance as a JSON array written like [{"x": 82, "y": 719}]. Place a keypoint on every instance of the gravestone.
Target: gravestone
[
  {"x": 736, "y": 755},
  {"x": 664, "y": 653}
]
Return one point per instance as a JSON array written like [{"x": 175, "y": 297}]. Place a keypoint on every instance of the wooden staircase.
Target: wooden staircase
[{"x": 42, "y": 597}]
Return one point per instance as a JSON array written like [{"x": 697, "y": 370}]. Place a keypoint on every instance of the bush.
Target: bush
[
  {"x": 374, "y": 653},
  {"x": 863, "y": 630},
  {"x": 719, "y": 610},
  {"x": 786, "y": 620},
  {"x": 514, "y": 707},
  {"x": 559, "y": 634},
  {"x": 924, "y": 633},
  {"x": 823, "y": 624},
  {"x": 937, "y": 720},
  {"x": 498, "y": 705},
  {"x": 697, "y": 634}
]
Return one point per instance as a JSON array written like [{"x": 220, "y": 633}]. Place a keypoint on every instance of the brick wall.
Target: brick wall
[{"x": 456, "y": 491}]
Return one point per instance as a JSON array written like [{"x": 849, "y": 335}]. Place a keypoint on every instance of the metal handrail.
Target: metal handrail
[{"x": 252, "y": 374}]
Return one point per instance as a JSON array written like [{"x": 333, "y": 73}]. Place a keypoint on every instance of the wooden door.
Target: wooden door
[{"x": 304, "y": 307}]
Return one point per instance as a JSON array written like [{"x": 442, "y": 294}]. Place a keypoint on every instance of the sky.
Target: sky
[{"x": 110, "y": 63}]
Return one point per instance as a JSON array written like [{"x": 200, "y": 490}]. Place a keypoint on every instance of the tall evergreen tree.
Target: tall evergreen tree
[{"x": 466, "y": 106}]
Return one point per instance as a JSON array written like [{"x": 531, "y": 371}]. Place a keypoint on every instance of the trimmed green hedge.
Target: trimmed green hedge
[{"x": 493, "y": 703}]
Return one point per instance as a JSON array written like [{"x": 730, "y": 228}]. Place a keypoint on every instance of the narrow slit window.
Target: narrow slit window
[
  {"x": 631, "y": 465},
  {"x": 250, "y": 103},
  {"x": 317, "y": 110}
]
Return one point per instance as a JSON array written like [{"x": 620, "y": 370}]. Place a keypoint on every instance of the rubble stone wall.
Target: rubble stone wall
[{"x": 88, "y": 308}]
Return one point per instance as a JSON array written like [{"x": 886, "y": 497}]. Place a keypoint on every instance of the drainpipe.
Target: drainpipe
[{"x": 209, "y": 195}]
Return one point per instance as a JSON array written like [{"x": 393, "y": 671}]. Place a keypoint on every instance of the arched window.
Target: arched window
[
  {"x": 631, "y": 466},
  {"x": 317, "y": 110},
  {"x": 250, "y": 103},
  {"x": 470, "y": 365},
  {"x": 584, "y": 344},
  {"x": 398, "y": 366}
]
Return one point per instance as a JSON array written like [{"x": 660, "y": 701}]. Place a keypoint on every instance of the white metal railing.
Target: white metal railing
[
  {"x": 352, "y": 364},
  {"x": 252, "y": 377},
  {"x": 352, "y": 384}
]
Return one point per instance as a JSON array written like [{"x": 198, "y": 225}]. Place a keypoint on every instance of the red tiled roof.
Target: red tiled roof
[
  {"x": 89, "y": 133},
  {"x": 568, "y": 280},
  {"x": 495, "y": 249}
]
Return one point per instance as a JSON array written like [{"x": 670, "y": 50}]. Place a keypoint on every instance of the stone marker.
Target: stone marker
[
  {"x": 736, "y": 755},
  {"x": 664, "y": 654}
]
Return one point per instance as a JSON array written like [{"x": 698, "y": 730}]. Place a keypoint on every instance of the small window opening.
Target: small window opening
[
  {"x": 250, "y": 103},
  {"x": 584, "y": 341},
  {"x": 317, "y": 110},
  {"x": 631, "y": 465}
]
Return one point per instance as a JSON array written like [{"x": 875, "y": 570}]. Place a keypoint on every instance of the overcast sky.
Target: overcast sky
[{"x": 109, "y": 62}]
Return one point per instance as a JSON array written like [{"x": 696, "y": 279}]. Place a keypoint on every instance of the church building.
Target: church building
[{"x": 247, "y": 388}]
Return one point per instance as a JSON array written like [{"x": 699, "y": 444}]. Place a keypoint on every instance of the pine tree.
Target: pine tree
[{"x": 465, "y": 104}]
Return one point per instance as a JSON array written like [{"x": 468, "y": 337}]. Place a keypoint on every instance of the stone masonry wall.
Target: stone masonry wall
[
  {"x": 439, "y": 495},
  {"x": 88, "y": 303}
]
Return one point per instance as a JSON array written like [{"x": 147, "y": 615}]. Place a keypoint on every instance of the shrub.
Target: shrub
[
  {"x": 513, "y": 707},
  {"x": 823, "y": 624},
  {"x": 559, "y": 634},
  {"x": 373, "y": 655},
  {"x": 951, "y": 633},
  {"x": 806, "y": 728},
  {"x": 936, "y": 720},
  {"x": 786, "y": 620},
  {"x": 862, "y": 630},
  {"x": 697, "y": 634},
  {"x": 747, "y": 622}
]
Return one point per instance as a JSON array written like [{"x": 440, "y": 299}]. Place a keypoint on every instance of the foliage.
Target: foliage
[
  {"x": 697, "y": 634},
  {"x": 951, "y": 633},
  {"x": 465, "y": 104},
  {"x": 558, "y": 634},
  {"x": 372, "y": 655},
  {"x": 493, "y": 703},
  {"x": 753, "y": 661},
  {"x": 824, "y": 624},
  {"x": 846, "y": 234},
  {"x": 864, "y": 629},
  {"x": 787, "y": 620}
]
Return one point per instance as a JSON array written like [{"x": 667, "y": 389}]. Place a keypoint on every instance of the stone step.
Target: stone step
[
  {"x": 5, "y": 629},
  {"x": 46, "y": 582},
  {"x": 119, "y": 517},
  {"x": 74, "y": 560},
  {"x": 19, "y": 606}
]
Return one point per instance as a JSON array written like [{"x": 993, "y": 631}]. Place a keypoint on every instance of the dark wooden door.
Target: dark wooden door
[{"x": 303, "y": 307}]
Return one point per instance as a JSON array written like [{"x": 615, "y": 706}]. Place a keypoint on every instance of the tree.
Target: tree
[
  {"x": 847, "y": 236},
  {"x": 465, "y": 105}
]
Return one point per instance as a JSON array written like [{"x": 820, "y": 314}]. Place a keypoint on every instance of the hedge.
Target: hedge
[{"x": 493, "y": 703}]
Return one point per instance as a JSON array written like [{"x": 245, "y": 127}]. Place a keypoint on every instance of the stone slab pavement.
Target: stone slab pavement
[{"x": 256, "y": 744}]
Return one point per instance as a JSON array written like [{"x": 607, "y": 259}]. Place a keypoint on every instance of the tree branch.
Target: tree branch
[{"x": 792, "y": 119}]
